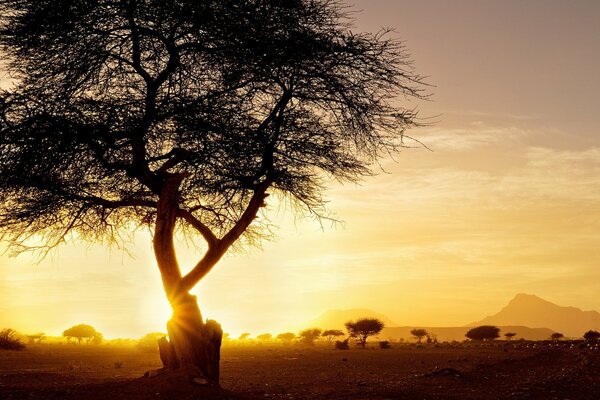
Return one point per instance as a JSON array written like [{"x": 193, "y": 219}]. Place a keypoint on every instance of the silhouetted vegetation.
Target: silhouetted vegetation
[
  {"x": 9, "y": 340},
  {"x": 362, "y": 328},
  {"x": 484, "y": 332},
  {"x": 384, "y": 344},
  {"x": 591, "y": 336},
  {"x": 342, "y": 344},
  {"x": 308, "y": 336},
  {"x": 509, "y": 335},
  {"x": 83, "y": 332},
  {"x": 36, "y": 338},
  {"x": 184, "y": 116},
  {"x": 244, "y": 336},
  {"x": 556, "y": 336},
  {"x": 286, "y": 337},
  {"x": 331, "y": 334},
  {"x": 419, "y": 334},
  {"x": 265, "y": 337}
]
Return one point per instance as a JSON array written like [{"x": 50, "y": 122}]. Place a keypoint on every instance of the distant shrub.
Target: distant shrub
[
  {"x": 342, "y": 345},
  {"x": 484, "y": 332},
  {"x": 591, "y": 336},
  {"x": 384, "y": 344},
  {"x": 509, "y": 335},
  {"x": 9, "y": 340},
  {"x": 556, "y": 336}
]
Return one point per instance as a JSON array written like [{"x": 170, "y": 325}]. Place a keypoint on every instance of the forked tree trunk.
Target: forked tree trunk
[{"x": 193, "y": 345}]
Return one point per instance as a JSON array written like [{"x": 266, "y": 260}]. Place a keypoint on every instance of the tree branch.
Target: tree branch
[{"x": 204, "y": 230}]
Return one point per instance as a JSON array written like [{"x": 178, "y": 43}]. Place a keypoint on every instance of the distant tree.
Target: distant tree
[
  {"x": 226, "y": 337},
  {"x": 591, "y": 336},
  {"x": 308, "y": 336},
  {"x": 419, "y": 334},
  {"x": 83, "y": 332},
  {"x": 286, "y": 337},
  {"x": 509, "y": 335},
  {"x": 149, "y": 341},
  {"x": 36, "y": 338},
  {"x": 556, "y": 336},
  {"x": 330, "y": 334},
  {"x": 362, "y": 328},
  {"x": 9, "y": 340},
  {"x": 244, "y": 336},
  {"x": 183, "y": 116},
  {"x": 265, "y": 337},
  {"x": 484, "y": 332}
]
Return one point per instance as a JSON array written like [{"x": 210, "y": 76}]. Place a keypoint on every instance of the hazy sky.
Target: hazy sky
[{"x": 507, "y": 201}]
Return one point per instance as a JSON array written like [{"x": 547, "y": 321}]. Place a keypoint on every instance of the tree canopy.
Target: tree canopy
[
  {"x": 362, "y": 328},
  {"x": 308, "y": 336},
  {"x": 114, "y": 99},
  {"x": 484, "y": 332},
  {"x": 83, "y": 332},
  {"x": 419, "y": 334}
]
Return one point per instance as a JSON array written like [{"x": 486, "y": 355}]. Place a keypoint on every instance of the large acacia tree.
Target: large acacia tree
[{"x": 184, "y": 116}]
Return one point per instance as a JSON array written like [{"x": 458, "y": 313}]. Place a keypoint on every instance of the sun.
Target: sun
[{"x": 155, "y": 312}]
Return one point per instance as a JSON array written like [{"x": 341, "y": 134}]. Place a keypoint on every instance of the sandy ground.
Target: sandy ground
[{"x": 72, "y": 372}]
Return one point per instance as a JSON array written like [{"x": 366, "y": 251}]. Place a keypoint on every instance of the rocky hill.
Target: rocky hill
[{"x": 535, "y": 312}]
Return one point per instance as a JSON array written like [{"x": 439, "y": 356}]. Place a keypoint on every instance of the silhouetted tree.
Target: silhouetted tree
[
  {"x": 419, "y": 334},
  {"x": 484, "y": 332},
  {"x": 83, "y": 332},
  {"x": 591, "y": 336},
  {"x": 183, "y": 116},
  {"x": 36, "y": 338},
  {"x": 330, "y": 334},
  {"x": 9, "y": 340},
  {"x": 244, "y": 336},
  {"x": 265, "y": 337},
  {"x": 286, "y": 337},
  {"x": 509, "y": 335},
  {"x": 363, "y": 328},
  {"x": 308, "y": 336},
  {"x": 556, "y": 336}
]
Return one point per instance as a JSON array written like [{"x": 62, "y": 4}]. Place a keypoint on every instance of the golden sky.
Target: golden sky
[{"x": 507, "y": 201}]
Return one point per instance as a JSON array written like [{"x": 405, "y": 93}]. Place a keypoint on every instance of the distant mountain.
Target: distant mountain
[
  {"x": 530, "y": 310},
  {"x": 448, "y": 334},
  {"x": 335, "y": 319}
]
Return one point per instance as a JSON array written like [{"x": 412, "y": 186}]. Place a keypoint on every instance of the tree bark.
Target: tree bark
[{"x": 194, "y": 345}]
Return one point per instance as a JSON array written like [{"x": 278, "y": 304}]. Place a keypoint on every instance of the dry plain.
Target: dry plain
[{"x": 497, "y": 371}]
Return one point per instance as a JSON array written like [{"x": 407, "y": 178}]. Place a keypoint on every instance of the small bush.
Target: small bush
[
  {"x": 342, "y": 345},
  {"x": 384, "y": 344},
  {"x": 9, "y": 341}
]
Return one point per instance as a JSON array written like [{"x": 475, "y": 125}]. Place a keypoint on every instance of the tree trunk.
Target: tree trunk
[{"x": 194, "y": 345}]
